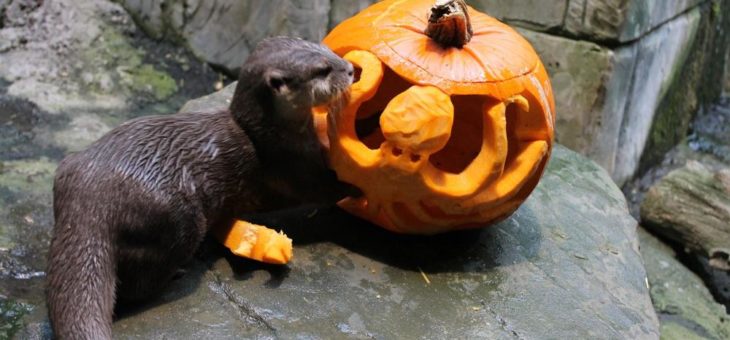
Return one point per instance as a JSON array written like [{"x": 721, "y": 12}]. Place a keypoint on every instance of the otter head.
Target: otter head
[{"x": 293, "y": 75}]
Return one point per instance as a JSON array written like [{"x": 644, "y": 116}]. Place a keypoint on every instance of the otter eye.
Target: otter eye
[{"x": 323, "y": 71}]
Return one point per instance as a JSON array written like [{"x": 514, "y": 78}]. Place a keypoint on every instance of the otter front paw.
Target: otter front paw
[{"x": 257, "y": 242}]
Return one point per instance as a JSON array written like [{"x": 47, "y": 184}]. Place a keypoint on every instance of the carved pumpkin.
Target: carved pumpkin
[{"x": 450, "y": 122}]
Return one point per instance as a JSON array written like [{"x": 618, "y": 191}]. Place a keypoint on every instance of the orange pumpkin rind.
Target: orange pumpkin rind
[{"x": 416, "y": 176}]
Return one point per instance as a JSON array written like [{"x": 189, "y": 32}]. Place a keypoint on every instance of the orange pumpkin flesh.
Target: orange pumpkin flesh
[
  {"x": 256, "y": 242},
  {"x": 464, "y": 132}
]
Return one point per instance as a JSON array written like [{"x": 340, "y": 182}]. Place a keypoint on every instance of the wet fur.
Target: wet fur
[{"x": 134, "y": 206}]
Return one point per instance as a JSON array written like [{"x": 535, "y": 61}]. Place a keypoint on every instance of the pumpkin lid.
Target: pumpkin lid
[{"x": 394, "y": 30}]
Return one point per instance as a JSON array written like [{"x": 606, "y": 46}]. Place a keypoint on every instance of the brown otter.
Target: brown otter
[{"x": 136, "y": 204}]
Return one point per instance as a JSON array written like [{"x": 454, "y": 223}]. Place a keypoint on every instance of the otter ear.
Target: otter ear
[{"x": 277, "y": 81}]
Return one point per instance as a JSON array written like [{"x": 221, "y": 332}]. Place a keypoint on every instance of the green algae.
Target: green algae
[
  {"x": 29, "y": 176},
  {"x": 115, "y": 51},
  {"x": 11, "y": 317},
  {"x": 147, "y": 79},
  {"x": 24, "y": 178}
]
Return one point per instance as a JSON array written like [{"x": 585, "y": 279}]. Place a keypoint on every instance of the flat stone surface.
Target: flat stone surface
[{"x": 568, "y": 258}]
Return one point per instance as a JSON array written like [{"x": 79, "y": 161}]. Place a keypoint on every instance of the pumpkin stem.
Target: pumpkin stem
[{"x": 449, "y": 23}]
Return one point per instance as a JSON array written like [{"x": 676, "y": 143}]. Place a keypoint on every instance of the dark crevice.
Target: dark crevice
[
  {"x": 246, "y": 312},
  {"x": 699, "y": 265}
]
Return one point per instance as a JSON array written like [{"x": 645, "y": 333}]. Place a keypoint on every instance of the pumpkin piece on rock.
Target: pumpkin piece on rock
[
  {"x": 450, "y": 122},
  {"x": 256, "y": 242}
]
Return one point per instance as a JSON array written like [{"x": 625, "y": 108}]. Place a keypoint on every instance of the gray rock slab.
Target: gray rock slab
[
  {"x": 616, "y": 21},
  {"x": 568, "y": 259},
  {"x": 539, "y": 15},
  {"x": 659, "y": 58},
  {"x": 619, "y": 20},
  {"x": 566, "y": 265},
  {"x": 215, "y": 101},
  {"x": 686, "y": 308}
]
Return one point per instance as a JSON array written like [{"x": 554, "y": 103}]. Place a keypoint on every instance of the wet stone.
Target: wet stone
[
  {"x": 712, "y": 131},
  {"x": 23, "y": 126},
  {"x": 70, "y": 70}
]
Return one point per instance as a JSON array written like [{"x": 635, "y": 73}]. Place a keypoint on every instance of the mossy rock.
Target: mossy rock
[{"x": 685, "y": 307}]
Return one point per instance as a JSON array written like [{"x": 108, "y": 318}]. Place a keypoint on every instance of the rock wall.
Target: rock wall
[
  {"x": 609, "y": 21},
  {"x": 628, "y": 74}
]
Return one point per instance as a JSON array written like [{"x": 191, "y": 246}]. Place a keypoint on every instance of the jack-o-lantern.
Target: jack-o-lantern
[{"x": 450, "y": 120}]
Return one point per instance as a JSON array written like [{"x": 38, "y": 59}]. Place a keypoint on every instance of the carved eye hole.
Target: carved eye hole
[{"x": 323, "y": 71}]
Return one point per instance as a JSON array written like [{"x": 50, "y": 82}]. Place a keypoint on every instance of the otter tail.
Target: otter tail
[{"x": 81, "y": 276}]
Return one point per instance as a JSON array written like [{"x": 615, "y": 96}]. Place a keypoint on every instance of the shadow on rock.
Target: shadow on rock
[{"x": 477, "y": 250}]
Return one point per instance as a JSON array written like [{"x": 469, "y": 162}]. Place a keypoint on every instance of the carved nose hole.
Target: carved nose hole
[
  {"x": 415, "y": 158},
  {"x": 397, "y": 152},
  {"x": 355, "y": 73}
]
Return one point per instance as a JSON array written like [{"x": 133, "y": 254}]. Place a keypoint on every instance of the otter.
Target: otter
[{"x": 132, "y": 208}]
